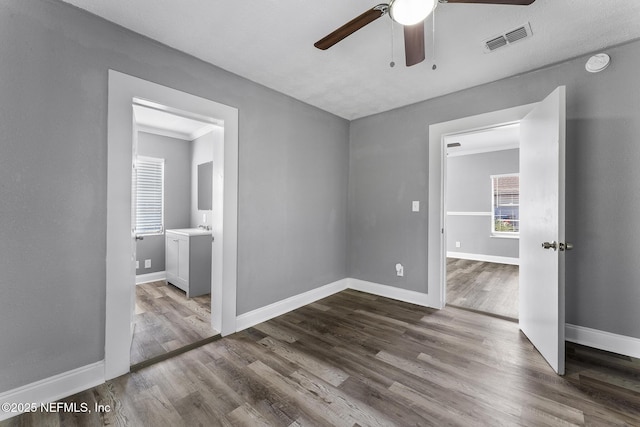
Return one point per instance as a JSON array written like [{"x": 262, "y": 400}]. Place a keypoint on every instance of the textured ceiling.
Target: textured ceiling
[{"x": 271, "y": 43}]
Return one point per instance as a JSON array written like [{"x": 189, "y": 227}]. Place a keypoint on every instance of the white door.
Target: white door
[{"x": 542, "y": 233}]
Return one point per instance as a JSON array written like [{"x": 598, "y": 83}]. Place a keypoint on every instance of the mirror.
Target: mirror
[{"x": 205, "y": 180}]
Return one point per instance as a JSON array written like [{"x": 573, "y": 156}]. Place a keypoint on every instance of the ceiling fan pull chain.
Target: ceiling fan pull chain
[
  {"x": 392, "y": 63},
  {"x": 433, "y": 37}
]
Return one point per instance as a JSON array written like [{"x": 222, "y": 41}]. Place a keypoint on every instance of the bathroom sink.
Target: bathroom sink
[{"x": 190, "y": 231}]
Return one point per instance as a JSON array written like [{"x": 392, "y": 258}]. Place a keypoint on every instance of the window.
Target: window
[
  {"x": 505, "y": 205},
  {"x": 149, "y": 188}
]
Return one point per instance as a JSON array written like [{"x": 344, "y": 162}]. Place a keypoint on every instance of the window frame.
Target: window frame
[
  {"x": 503, "y": 234},
  {"x": 156, "y": 161}
]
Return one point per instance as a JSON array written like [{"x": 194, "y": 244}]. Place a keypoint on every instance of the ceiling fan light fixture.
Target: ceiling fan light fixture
[{"x": 410, "y": 12}]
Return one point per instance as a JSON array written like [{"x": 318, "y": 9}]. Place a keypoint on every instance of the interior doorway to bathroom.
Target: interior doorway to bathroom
[
  {"x": 121, "y": 236},
  {"x": 171, "y": 192}
]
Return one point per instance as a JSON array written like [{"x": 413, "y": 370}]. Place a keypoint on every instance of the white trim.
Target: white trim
[
  {"x": 279, "y": 308},
  {"x": 151, "y": 277},
  {"x": 177, "y": 135},
  {"x": 469, "y": 213},
  {"x": 621, "y": 344},
  {"x": 392, "y": 292},
  {"x": 484, "y": 258},
  {"x": 54, "y": 388}
]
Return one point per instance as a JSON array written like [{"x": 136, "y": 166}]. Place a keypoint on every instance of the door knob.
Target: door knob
[
  {"x": 139, "y": 238},
  {"x": 566, "y": 246},
  {"x": 552, "y": 245}
]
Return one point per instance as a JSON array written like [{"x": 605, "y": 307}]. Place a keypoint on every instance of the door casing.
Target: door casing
[
  {"x": 437, "y": 242},
  {"x": 120, "y": 277}
]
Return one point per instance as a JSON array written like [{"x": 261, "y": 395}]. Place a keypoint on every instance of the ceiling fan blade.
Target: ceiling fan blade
[
  {"x": 506, "y": 2},
  {"x": 414, "y": 43},
  {"x": 351, "y": 27}
]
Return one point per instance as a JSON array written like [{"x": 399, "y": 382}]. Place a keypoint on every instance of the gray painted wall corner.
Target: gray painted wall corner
[{"x": 602, "y": 128}]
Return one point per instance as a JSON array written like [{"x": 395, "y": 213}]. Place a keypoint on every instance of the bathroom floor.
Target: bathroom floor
[{"x": 166, "y": 320}]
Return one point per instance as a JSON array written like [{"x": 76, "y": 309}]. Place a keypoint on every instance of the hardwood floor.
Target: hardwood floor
[
  {"x": 166, "y": 320},
  {"x": 354, "y": 359},
  {"x": 483, "y": 286}
]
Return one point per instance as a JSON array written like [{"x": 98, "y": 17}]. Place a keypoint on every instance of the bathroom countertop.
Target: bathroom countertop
[{"x": 190, "y": 231}]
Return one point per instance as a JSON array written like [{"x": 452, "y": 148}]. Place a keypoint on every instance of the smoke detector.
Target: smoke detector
[
  {"x": 520, "y": 33},
  {"x": 598, "y": 63}
]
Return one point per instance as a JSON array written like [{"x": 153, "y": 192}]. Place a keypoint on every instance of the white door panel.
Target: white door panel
[{"x": 542, "y": 169}]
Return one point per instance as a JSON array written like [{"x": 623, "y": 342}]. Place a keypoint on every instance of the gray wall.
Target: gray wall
[
  {"x": 469, "y": 190},
  {"x": 389, "y": 167},
  {"x": 53, "y": 181},
  {"x": 177, "y": 193},
  {"x": 295, "y": 165}
]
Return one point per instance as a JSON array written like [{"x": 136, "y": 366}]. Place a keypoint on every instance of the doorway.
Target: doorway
[
  {"x": 120, "y": 259},
  {"x": 481, "y": 198},
  {"x": 170, "y": 194},
  {"x": 541, "y": 314}
]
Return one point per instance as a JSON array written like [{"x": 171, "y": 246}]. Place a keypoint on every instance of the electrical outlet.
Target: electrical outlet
[
  {"x": 399, "y": 270},
  {"x": 415, "y": 206},
  {"x": 457, "y": 244},
  {"x": 147, "y": 263},
  {"x": 137, "y": 265}
]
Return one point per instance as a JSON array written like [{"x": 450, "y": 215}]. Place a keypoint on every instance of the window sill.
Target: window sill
[{"x": 161, "y": 233}]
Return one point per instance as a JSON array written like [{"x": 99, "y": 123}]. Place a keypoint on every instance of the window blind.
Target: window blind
[
  {"x": 505, "y": 203},
  {"x": 149, "y": 185}
]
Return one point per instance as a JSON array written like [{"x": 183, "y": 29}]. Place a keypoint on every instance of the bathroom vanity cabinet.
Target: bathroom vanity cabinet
[{"x": 188, "y": 260}]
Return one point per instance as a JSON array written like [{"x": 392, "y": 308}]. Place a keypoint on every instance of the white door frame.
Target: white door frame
[
  {"x": 119, "y": 275},
  {"x": 437, "y": 243}
]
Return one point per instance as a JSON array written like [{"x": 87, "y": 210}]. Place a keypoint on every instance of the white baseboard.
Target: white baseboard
[
  {"x": 150, "y": 277},
  {"x": 279, "y": 308},
  {"x": 392, "y": 292},
  {"x": 54, "y": 388},
  {"x": 484, "y": 258},
  {"x": 602, "y": 340}
]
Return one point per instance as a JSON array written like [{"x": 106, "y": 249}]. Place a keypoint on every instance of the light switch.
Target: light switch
[{"x": 415, "y": 206}]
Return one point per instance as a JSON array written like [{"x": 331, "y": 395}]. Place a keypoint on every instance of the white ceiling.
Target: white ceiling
[
  {"x": 271, "y": 42},
  {"x": 494, "y": 139},
  {"x": 156, "y": 121}
]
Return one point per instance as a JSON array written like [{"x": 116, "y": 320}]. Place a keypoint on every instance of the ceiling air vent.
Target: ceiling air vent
[
  {"x": 494, "y": 44},
  {"x": 522, "y": 32}
]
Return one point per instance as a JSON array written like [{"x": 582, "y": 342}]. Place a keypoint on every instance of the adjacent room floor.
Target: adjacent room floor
[
  {"x": 357, "y": 359},
  {"x": 165, "y": 320},
  {"x": 483, "y": 286}
]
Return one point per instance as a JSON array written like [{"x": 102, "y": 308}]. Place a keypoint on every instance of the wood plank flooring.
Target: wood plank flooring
[
  {"x": 166, "y": 320},
  {"x": 354, "y": 359},
  {"x": 483, "y": 286}
]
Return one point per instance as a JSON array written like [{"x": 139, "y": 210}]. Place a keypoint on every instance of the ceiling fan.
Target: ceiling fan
[{"x": 410, "y": 14}]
